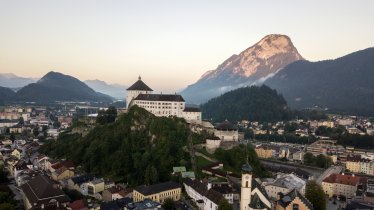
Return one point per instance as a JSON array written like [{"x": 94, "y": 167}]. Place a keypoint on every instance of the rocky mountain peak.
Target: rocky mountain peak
[{"x": 256, "y": 63}]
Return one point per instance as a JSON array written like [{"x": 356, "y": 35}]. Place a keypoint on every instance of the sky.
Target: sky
[{"x": 170, "y": 43}]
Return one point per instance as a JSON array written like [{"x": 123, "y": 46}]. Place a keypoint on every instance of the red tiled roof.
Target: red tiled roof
[
  {"x": 63, "y": 163},
  {"x": 77, "y": 205},
  {"x": 342, "y": 179}
]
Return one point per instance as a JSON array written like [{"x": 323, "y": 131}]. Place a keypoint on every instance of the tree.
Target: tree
[
  {"x": 314, "y": 193},
  {"x": 35, "y": 131},
  {"x": 224, "y": 205},
  {"x": 290, "y": 127},
  {"x": 308, "y": 158},
  {"x": 169, "y": 204},
  {"x": 3, "y": 175},
  {"x": 151, "y": 175},
  {"x": 73, "y": 194},
  {"x": 12, "y": 136},
  {"x": 107, "y": 116},
  {"x": 322, "y": 161},
  {"x": 7, "y": 206}
]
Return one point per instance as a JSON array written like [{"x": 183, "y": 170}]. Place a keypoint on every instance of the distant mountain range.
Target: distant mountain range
[
  {"x": 115, "y": 90},
  {"x": 344, "y": 85},
  {"x": 13, "y": 81},
  {"x": 53, "y": 87},
  {"x": 260, "y": 61}
]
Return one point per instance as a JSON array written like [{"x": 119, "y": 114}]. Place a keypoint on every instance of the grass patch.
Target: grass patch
[{"x": 202, "y": 162}]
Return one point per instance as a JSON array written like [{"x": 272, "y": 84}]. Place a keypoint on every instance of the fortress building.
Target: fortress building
[{"x": 162, "y": 105}]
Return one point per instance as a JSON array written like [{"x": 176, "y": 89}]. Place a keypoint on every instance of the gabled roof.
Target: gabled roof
[
  {"x": 139, "y": 85},
  {"x": 41, "y": 191},
  {"x": 202, "y": 189},
  {"x": 157, "y": 188},
  {"x": 214, "y": 196},
  {"x": 226, "y": 125},
  {"x": 342, "y": 179},
  {"x": 160, "y": 97},
  {"x": 116, "y": 204},
  {"x": 82, "y": 179},
  {"x": 257, "y": 185},
  {"x": 63, "y": 163},
  {"x": 256, "y": 203},
  {"x": 292, "y": 195},
  {"x": 191, "y": 109}
]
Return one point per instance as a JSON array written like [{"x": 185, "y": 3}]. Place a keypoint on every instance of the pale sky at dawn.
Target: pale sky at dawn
[{"x": 169, "y": 43}]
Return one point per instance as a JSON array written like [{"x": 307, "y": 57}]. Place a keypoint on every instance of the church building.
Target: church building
[
  {"x": 252, "y": 196},
  {"x": 162, "y": 105}
]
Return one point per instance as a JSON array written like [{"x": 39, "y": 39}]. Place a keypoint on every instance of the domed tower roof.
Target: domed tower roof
[
  {"x": 246, "y": 168},
  {"x": 139, "y": 85}
]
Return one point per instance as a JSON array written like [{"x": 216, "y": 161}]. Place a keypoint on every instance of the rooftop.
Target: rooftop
[
  {"x": 226, "y": 125},
  {"x": 343, "y": 179},
  {"x": 139, "y": 85},
  {"x": 157, "y": 188},
  {"x": 40, "y": 191},
  {"x": 159, "y": 97}
]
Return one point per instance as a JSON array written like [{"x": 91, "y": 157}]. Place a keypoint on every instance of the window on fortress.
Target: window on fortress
[{"x": 295, "y": 207}]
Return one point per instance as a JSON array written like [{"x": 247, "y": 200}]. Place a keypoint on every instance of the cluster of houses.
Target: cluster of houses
[
  {"x": 249, "y": 192},
  {"x": 352, "y": 124},
  {"x": 24, "y": 120},
  {"x": 279, "y": 151}
]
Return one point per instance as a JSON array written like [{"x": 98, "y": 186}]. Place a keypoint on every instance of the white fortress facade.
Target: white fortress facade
[{"x": 162, "y": 105}]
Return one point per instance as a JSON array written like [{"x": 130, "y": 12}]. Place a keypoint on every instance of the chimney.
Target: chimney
[{"x": 209, "y": 186}]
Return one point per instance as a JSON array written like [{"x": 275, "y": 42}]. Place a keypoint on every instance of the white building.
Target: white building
[
  {"x": 284, "y": 184},
  {"x": 162, "y": 105},
  {"x": 253, "y": 196},
  {"x": 226, "y": 131}
]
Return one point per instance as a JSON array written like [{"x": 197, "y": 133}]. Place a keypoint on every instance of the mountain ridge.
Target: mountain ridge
[
  {"x": 114, "y": 90},
  {"x": 11, "y": 80},
  {"x": 342, "y": 85},
  {"x": 55, "y": 86}
]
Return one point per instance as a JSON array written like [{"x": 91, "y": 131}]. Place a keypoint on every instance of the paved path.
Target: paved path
[
  {"x": 315, "y": 172},
  {"x": 206, "y": 157},
  {"x": 328, "y": 172}
]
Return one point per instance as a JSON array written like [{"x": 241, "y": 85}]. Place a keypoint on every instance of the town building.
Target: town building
[
  {"x": 158, "y": 192},
  {"x": 162, "y": 105},
  {"x": 205, "y": 198},
  {"x": 293, "y": 201},
  {"x": 253, "y": 196},
  {"x": 266, "y": 151},
  {"x": 39, "y": 193},
  {"x": 357, "y": 164},
  {"x": 341, "y": 185},
  {"x": 284, "y": 184}
]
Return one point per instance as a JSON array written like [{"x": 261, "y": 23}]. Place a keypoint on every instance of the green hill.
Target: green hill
[
  {"x": 249, "y": 103},
  {"x": 123, "y": 150}
]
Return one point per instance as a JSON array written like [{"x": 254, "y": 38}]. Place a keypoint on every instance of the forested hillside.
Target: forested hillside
[{"x": 138, "y": 147}]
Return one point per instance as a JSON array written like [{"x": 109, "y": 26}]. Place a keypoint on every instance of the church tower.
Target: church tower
[
  {"x": 139, "y": 87},
  {"x": 246, "y": 189}
]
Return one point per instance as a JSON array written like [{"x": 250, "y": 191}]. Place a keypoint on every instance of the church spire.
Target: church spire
[{"x": 140, "y": 78}]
